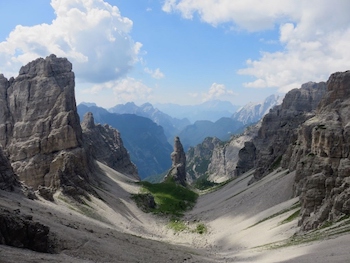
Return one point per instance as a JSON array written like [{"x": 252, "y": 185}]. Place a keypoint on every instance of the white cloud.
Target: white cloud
[
  {"x": 315, "y": 36},
  {"x": 93, "y": 35},
  {"x": 218, "y": 91},
  {"x": 123, "y": 90},
  {"x": 156, "y": 74}
]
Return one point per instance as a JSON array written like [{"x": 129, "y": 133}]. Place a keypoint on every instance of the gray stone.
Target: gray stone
[
  {"x": 40, "y": 128},
  {"x": 178, "y": 158}
]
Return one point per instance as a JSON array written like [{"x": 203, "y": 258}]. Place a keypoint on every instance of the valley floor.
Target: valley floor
[{"x": 255, "y": 223}]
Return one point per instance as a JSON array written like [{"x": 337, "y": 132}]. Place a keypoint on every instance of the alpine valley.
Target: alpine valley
[{"x": 264, "y": 182}]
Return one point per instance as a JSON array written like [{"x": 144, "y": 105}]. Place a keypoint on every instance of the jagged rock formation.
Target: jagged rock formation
[
  {"x": 199, "y": 157},
  {"x": 107, "y": 146},
  {"x": 178, "y": 158},
  {"x": 8, "y": 180},
  {"x": 39, "y": 126},
  {"x": 320, "y": 155},
  {"x": 278, "y": 129},
  {"x": 20, "y": 231},
  {"x": 215, "y": 159}
]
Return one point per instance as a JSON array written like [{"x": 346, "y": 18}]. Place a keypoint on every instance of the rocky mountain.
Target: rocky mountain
[
  {"x": 172, "y": 126},
  {"x": 40, "y": 131},
  {"x": 308, "y": 134},
  {"x": 215, "y": 159},
  {"x": 145, "y": 140},
  {"x": 41, "y": 136},
  {"x": 278, "y": 129},
  {"x": 253, "y": 112},
  {"x": 199, "y": 158},
  {"x": 320, "y": 156},
  {"x": 106, "y": 145},
  {"x": 210, "y": 110},
  {"x": 222, "y": 129}
]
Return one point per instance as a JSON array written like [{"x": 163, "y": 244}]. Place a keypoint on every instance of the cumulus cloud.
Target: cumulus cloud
[
  {"x": 315, "y": 36},
  {"x": 123, "y": 90},
  {"x": 156, "y": 74},
  {"x": 218, "y": 91},
  {"x": 93, "y": 35}
]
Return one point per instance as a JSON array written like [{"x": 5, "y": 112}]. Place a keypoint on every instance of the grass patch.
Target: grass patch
[
  {"x": 170, "y": 198},
  {"x": 177, "y": 225},
  {"x": 202, "y": 183},
  {"x": 291, "y": 217},
  {"x": 201, "y": 229}
]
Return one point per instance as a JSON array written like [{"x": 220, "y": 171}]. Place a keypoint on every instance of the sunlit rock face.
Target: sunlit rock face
[{"x": 39, "y": 126}]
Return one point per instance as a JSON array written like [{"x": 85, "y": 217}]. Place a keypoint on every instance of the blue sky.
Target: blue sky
[{"x": 180, "y": 51}]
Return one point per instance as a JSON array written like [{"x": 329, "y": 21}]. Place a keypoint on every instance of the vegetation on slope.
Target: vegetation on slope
[{"x": 170, "y": 198}]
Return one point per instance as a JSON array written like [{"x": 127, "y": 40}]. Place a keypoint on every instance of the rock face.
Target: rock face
[
  {"x": 199, "y": 157},
  {"x": 320, "y": 156},
  {"x": 39, "y": 126},
  {"x": 20, "y": 231},
  {"x": 107, "y": 146},
  {"x": 278, "y": 129},
  {"x": 8, "y": 180},
  {"x": 178, "y": 158},
  {"x": 223, "y": 163}
]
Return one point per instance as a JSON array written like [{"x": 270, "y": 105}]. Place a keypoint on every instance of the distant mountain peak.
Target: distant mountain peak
[{"x": 254, "y": 111}]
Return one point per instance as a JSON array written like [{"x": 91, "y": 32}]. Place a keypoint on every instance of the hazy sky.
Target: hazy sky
[{"x": 180, "y": 51}]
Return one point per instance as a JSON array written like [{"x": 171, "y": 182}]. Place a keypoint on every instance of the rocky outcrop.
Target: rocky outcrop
[
  {"x": 40, "y": 128},
  {"x": 178, "y": 158},
  {"x": 21, "y": 231},
  {"x": 8, "y": 180},
  {"x": 278, "y": 129},
  {"x": 107, "y": 146},
  {"x": 224, "y": 161},
  {"x": 199, "y": 157},
  {"x": 320, "y": 155}
]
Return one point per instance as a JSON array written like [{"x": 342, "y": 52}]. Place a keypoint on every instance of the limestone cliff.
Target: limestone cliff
[
  {"x": 223, "y": 163},
  {"x": 278, "y": 129},
  {"x": 107, "y": 146},
  {"x": 320, "y": 155},
  {"x": 178, "y": 168},
  {"x": 39, "y": 126},
  {"x": 199, "y": 157}
]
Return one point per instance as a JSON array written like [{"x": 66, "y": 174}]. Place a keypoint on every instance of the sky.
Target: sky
[{"x": 179, "y": 51}]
